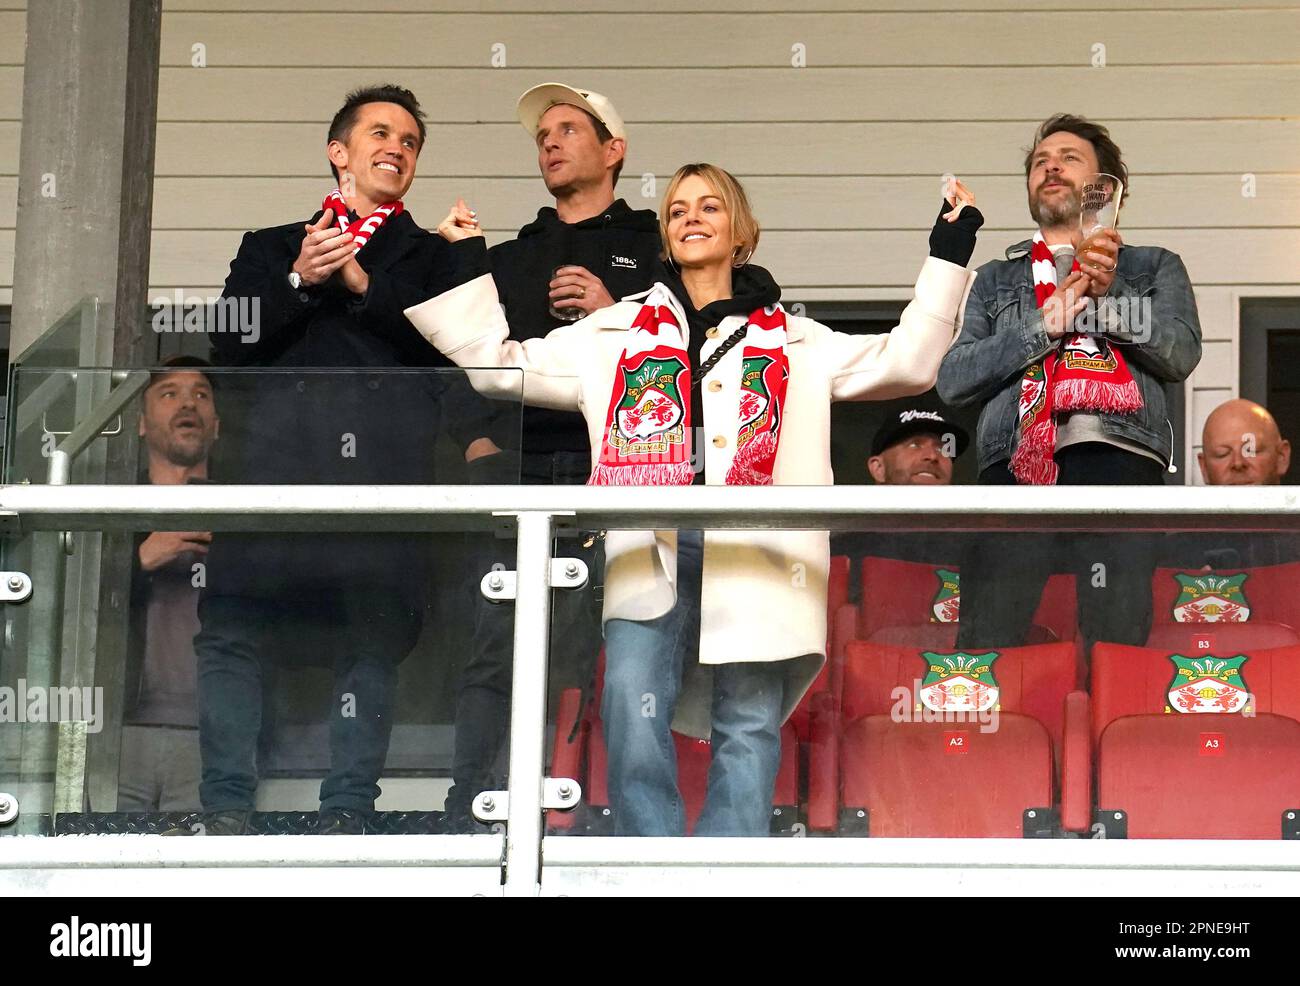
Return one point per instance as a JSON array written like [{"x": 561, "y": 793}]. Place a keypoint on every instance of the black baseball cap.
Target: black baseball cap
[{"x": 917, "y": 420}]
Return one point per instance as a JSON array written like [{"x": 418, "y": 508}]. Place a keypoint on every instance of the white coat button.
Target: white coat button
[
  {"x": 712, "y": 333},
  {"x": 715, "y": 385},
  {"x": 719, "y": 441}
]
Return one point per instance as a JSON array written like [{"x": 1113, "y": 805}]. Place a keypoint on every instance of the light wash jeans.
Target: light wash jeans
[{"x": 643, "y": 672}]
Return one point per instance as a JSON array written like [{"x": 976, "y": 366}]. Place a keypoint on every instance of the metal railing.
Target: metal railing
[
  {"x": 536, "y": 513},
  {"x": 25, "y": 508}
]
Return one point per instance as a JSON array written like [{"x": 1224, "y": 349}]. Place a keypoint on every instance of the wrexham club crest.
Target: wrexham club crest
[
  {"x": 756, "y": 396},
  {"x": 1211, "y": 599},
  {"x": 1083, "y": 352},
  {"x": 1033, "y": 394},
  {"x": 946, "y": 606},
  {"x": 648, "y": 418},
  {"x": 1208, "y": 684},
  {"x": 959, "y": 682}
]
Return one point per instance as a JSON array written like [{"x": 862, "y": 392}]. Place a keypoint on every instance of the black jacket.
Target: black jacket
[
  {"x": 620, "y": 246},
  {"x": 319, "y": 423}
]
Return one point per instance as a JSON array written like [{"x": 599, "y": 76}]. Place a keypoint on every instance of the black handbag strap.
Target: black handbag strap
[{"x": 728, "y": 344}]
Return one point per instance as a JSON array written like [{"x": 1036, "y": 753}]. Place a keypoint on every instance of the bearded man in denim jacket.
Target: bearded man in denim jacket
[{"x": 1069, "y": 358}]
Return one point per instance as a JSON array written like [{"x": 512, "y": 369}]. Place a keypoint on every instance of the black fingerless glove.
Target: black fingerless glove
[{"x": 955, "y": 241}]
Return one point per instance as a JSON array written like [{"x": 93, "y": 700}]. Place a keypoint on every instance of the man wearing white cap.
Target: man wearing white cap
[
  {"x": 604, "y": 249},
  {"x": 578, "y": 256}
]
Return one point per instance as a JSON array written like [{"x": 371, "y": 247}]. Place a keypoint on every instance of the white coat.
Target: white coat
[{"x": 763, "y": 595}]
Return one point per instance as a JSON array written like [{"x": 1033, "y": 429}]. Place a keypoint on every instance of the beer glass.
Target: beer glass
[
  {"x": 1099, "y": 211},
  {"x": 561, "y": 311}
]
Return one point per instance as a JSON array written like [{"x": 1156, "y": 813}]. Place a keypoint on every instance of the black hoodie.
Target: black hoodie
[
  {"x": 751, "y": 287},
  {"x": 620, "y": 246}
]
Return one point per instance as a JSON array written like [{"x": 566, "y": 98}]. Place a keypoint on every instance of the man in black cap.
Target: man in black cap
[{"x": 916, "y": 446}]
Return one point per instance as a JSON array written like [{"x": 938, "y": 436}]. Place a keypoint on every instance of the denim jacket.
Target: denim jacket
[{"x": 1003, "y": 334}]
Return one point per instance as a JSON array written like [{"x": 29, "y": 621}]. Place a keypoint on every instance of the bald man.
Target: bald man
[{"x": 1241, "y": 446}]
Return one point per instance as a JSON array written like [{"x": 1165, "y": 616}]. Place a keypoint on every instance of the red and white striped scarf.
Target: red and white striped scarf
[
  {"x": 361, "y": 228},
  {"x": 1084, "y": 373},
  {"x": 647, "y": 437}
]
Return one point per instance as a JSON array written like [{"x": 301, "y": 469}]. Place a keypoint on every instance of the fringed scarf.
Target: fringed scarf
[
  {"x": 1084, "y": 373},
  {"x": 647, "y": 434}
]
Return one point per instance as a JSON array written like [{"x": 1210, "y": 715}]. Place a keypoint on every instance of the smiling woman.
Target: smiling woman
[
  {"x": 705, "y": 379},
  {"x": 700, "y": 200}
]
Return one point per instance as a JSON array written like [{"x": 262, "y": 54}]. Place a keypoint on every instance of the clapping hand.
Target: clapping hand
[
  {"x": 324, "y": 250},
  {"x": 1066, "y": 303}
]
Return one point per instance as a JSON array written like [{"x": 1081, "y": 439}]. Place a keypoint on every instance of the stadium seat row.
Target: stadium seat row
[{"x": 1196, "y": 735}]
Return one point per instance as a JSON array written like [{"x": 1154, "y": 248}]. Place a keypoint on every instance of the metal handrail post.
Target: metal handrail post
[
  {"x": 92, "y": 423},
  {"x": 528, "y": 705},
  {"x": 79, "y": 629}
]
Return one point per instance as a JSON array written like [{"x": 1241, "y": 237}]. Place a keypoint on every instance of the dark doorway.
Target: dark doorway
[
  {"x": 854, "y": 423},
  {"x": 1270, "y": 349}
]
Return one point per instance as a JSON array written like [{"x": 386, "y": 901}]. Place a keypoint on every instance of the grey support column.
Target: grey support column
[
  {"x": 85, "y": 210},
  {"x": 85, "y": 184}
]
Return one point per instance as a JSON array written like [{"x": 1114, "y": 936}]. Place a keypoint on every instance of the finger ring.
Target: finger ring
[{"x": 582, "y": 292}]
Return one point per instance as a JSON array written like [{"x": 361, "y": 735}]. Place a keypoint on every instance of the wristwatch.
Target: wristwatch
[{"x": 295, "y": 280}]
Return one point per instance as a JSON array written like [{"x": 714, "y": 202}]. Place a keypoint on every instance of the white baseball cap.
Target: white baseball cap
[{"x": 536, "y": 101}]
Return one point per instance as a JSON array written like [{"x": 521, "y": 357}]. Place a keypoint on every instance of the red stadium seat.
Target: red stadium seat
[
  {"x": 837, "y": 595},
  {"x": 905, "y": 776},
  {"x": 907, "y": 593},
  {"x": 930, "y": 636},
  {"x": 934, "y": 780},
  {"x": 1058, "y": 609},
  {"x": 837, "y": 586},
  {"x": 1164, "y": 773},
  {"x": 897, "y": 593},
  {"x": 572, "y": 732},
  {"x": 693, "y": 757},
  {"x": 943, "y": 636},
  {"x": 1268, "y": 593},
  {"x": 1222, "y": 639},
  {"x": 822, "y": 807}
]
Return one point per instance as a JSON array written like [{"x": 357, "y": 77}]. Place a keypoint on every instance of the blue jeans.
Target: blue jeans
[
  {"x": 363, "y": 633},
  {"x": 643, "y": 672}
]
